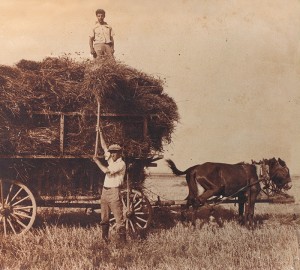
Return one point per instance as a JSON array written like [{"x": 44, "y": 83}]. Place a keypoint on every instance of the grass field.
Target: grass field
[{"x": 64, "y": 239}]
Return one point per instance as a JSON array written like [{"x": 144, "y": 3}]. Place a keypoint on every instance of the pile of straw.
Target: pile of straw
[{"x": 64, "y": 85}]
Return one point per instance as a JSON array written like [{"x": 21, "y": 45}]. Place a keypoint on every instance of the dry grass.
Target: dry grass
[{"x": 181, "y": 247}]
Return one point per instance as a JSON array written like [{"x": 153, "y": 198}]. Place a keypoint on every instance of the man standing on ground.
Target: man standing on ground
[
  {"x": 101, "y": 38},
  {"x": 110, "y": 198}
]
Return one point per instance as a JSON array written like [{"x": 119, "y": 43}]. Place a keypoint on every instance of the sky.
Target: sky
[{"x": 232, "y": 66}]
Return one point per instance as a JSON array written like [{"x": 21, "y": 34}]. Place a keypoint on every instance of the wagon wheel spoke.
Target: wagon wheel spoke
[
  {"x": 140, "y": 226},
  {"x": 140, "y": 213},
  {"x": 123, "y": 201},
  {"x": 138, "y": 209},
  {"x": 112, "y": 219},
  {"x": 19, "y": 221},
  {"x": 2, "y": 193},
  {"x": 23, "y": 199},
  {"x": 141, "y": 219},
  {"x": 21, "y": 214},
  {"x": 17, "y": 193},
  {"x": 112, "y": 222},
  {"x": 131, "y": 225},
  {"x": 18, "y": 208},
  {"x": 10, "y": 190},
  {"x": 11, "y": 225},
  {"x": 138, "y": 203},
  {"x": 4, "y": 226},
  {"x": 3, "y": 218},
  {"x": 126, "y": 224},
  {"x": 134, "y": 197},
  {"x": 23, "y": 207}
]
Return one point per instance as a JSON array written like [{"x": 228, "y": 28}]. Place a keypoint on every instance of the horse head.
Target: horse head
[{"x": 279, "y": 173}]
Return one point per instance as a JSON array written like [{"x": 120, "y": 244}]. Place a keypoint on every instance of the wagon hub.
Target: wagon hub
[
  {"x": 129, "y": 214},
  {"x": 5, "y": 210}
]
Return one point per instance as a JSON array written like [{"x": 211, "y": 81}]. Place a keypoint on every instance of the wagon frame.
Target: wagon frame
[{"x": 18, "y": 204}]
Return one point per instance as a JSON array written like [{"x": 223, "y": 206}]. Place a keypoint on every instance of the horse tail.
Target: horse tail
[{"x": 174, "y": 169}]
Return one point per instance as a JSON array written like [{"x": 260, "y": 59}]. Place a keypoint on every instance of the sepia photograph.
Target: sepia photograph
[{"x": 150, "y": 134}]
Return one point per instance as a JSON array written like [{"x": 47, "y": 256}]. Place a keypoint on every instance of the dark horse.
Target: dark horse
[{"x": 231, "y": 180}]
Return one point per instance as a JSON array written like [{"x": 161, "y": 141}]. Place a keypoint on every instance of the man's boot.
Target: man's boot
[{"x": 105, "y": 231}]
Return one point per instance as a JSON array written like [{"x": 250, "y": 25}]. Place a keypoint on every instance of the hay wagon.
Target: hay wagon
[{"x": 67, "y": 177}]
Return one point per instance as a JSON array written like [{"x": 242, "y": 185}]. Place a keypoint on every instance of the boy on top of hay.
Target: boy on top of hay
[{"x": 101, "y": 39}]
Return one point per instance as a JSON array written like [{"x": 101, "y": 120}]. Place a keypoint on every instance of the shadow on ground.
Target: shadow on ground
[
  {"x": 68, "y": 217},
  {"x": 163, "y": 217},
  {"x": 166, "y": 218}
]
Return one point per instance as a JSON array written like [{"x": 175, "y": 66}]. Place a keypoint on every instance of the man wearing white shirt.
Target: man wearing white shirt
[
  {"x": 101, "y": 38},
  {"x": 110, "y": 197}
]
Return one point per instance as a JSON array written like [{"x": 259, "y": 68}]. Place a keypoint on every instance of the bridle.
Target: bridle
[
  {"x": 278, "y": 167},
  {"x": 266, "y": 177}
]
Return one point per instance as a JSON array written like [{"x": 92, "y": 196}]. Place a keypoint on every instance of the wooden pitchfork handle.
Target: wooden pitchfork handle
[{"x": 97, "y": 128}]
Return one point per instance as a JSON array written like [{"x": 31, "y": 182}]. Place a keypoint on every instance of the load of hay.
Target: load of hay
[
  {"x": 64, "y": 85},
  {"x": 34, "y": 94}
]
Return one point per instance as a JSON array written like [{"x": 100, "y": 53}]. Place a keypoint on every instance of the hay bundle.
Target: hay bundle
[{"x": 64, "y": 85}]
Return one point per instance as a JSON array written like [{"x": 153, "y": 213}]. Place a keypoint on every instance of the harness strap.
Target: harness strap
[{"x": 241, "y": 189}]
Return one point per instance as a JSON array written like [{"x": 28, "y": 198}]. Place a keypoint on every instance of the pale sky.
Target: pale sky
[{"x": 232, "y": 66}]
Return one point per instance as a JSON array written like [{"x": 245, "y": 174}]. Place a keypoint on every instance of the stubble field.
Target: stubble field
[{"x": 64, "y": 239}]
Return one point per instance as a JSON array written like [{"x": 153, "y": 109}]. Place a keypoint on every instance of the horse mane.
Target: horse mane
[
  {"x": 281, "y": 162},
  {"x": 273, "y": 161},
  {"x": 242, "y": 163}
]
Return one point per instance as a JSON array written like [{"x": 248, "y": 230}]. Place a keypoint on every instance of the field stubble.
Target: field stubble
[{"x": 61, "y": 242}]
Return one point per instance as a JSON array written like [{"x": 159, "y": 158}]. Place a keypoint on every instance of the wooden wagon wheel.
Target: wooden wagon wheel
[
  {"x": 17, "y": 207},
  {"x": 137, "y": 213}
]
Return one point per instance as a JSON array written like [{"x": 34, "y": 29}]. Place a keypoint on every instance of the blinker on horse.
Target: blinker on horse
[{"x": 232, "y": 180}]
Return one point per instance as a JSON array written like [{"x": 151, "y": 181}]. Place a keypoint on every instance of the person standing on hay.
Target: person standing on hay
[
  {"x": 101, "y": 39},
  {"x": 111, "y": 198}
]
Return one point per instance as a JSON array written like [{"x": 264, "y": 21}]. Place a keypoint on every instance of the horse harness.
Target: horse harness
[{"x": 263, "y": 174}]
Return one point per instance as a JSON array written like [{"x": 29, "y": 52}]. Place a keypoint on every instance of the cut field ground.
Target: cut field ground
[
  {"x": 72, "y": 240},
  {"x": 181, "y": 247}
]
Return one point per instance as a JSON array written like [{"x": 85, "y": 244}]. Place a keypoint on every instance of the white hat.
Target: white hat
[{"x": 114, "y": 147}]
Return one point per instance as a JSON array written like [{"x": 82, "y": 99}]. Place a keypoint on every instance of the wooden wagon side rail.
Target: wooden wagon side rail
[{"x": 62, "y": 122}]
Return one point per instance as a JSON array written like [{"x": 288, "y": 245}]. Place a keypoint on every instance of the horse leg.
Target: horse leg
[
  {"x": 209, "y": 189},
  {"x": 192, "y": 196},
  {"x": 246, "y": 207},
  {"x": 249, "y": 213},
  {"x": 185, "y": 209},
  {"x": 194, "y": 215},
  {"x": 253, "y": 193},
  {"x": 183, "y": 212},
  {"x": 241, "y": 202}
]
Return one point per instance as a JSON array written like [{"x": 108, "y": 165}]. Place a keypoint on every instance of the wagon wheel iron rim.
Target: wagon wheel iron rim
[
  {"x": 138, "y": 216},
  {"x": 17, "y": 207}
]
